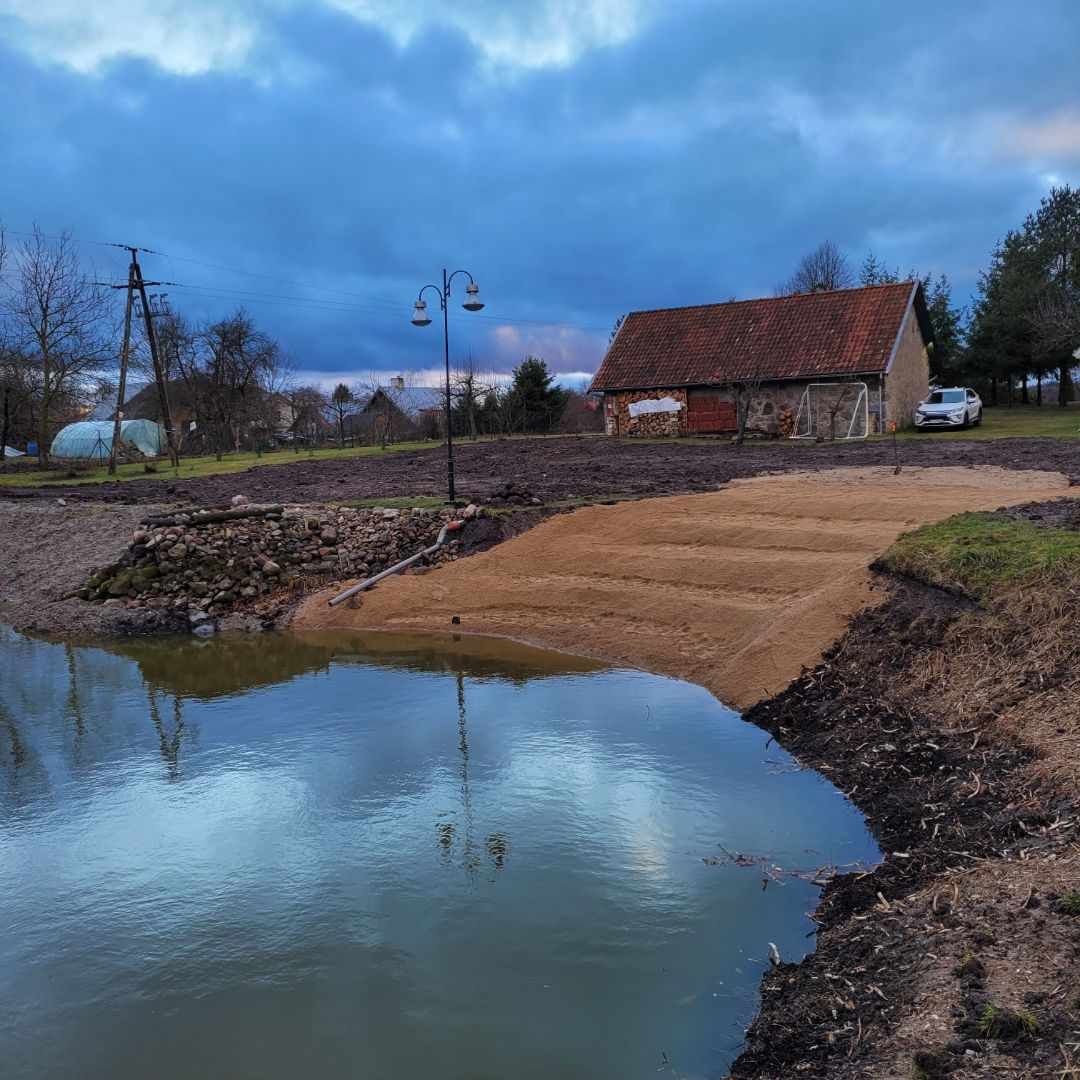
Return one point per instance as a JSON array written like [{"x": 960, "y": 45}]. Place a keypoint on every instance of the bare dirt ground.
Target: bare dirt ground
[
  {"x": 48, "y": 550},
  {"x": 736, "y": 590},
  {"x": 959, "y": 956},
  {"x": 561, "y": 468}
]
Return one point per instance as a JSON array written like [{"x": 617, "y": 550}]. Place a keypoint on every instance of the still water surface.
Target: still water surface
[{"x": 376, "y": 857}]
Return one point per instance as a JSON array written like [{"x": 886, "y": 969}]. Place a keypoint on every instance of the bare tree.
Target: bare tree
[
  {"x": 19, "y": 390},
  {"x": 229, "y": 374},
  {"x": 60, "y": 318},
  {"x": 343, "y": 403},
  {"x": 836, "y": 404},
  {"x": 307, "y": 411},
  {"x": 1055, "y": 320},
  {"x": 822, "y": 269},
  {"x": 468, "y": 392},
  {"x": 743, "y": 395}
]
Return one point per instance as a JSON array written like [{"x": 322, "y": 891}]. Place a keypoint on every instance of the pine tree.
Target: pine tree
[
  {"x": 947, "y": 359},
  {"x": 534, "y": 403},
  {"x": 1027, "y": 315},
  {"x": 874, "y": 272}
]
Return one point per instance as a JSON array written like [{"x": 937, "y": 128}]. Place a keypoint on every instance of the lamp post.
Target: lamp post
[{"x": 421, "y": 317}]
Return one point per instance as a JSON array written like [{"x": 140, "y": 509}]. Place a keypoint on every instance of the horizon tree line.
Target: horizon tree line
[{"x": 1023, "y": 326}]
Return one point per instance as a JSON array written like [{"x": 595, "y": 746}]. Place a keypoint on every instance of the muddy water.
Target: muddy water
[{"x": 386, "y": 858}]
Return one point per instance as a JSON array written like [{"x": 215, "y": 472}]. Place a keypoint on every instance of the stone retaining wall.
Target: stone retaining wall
[{"x": 202, "y": 572}]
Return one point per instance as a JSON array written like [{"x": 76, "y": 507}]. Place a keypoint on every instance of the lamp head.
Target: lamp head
[
  {"x": 472, "y": 297},
  {"x": 420, "y": 316}
]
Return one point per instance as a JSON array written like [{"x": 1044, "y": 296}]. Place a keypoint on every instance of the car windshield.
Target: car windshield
[{"x": 945, "y": 397}]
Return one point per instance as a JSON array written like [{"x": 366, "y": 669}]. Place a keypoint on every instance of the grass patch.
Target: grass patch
[
  {"x": 1069, "y": 904},
  {"x": 193, "y": 467},
  {"x": 975, "y": 553},
  {"x": 1015, "y": 422},
  {"x": 999, "y": 422},
  {"x": 998, "y": 1023}
]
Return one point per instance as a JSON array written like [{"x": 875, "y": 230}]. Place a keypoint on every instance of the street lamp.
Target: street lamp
[{"x": 421, "y": 317}]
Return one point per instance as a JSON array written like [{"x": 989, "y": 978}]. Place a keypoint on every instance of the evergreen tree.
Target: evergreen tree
[
  {"x": 947, "y": 361},
  {"x": 1027, "y": 315},
  {"x": 874, "y": 272},
  {"x": 1053, "y": 234},
  {"x": 533, "y": 403},
  {"x": 948, "y": 357}
]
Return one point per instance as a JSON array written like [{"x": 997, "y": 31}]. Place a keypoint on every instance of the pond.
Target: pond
[{"x": 385, "y": 857}]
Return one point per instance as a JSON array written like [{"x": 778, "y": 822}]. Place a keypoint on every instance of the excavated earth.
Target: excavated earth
[
  {"x": 562, "y": 468},
  {"x": 955, "y": 730},
  {"x": 736, "y": 590}
]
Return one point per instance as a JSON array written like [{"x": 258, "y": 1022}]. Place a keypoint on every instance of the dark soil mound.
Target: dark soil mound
[{"x": 555, "y": 469}]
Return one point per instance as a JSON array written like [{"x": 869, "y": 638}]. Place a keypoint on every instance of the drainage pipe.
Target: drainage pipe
[{"x": 352, "y": 590}]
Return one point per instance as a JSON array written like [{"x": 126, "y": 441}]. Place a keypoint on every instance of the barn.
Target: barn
[{"x": 842, "y": 363}]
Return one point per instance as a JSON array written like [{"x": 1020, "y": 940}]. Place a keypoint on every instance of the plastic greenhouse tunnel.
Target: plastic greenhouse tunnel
[{"x": 91, "y": 440}]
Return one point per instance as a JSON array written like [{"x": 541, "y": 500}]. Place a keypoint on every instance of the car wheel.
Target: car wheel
[
  {"x": 978, "y": 417},
  {"x": 966, "y": 422}
]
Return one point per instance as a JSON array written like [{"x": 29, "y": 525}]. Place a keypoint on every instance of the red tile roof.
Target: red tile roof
[{"x": 843, "y": 332}]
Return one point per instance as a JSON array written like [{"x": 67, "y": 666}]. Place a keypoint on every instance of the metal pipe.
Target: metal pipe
[{"x": 352, "y": 590}]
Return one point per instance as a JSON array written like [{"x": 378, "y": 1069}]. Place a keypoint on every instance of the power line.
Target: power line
[
  {"x": 368, "y": 304},
  {"x": 59, "y": 236},
  {"x": 336, "y": 305},
  {"x": 275, "y": 277}
]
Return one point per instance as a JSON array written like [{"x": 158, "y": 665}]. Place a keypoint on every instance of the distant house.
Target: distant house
[
  {"x": 395, "y": 412},
  {"x": 105, "y": 409},
  {"x": 678, "y": 371}
]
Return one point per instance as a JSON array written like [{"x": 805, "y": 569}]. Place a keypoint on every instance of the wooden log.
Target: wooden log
[{"x": 212, "y": 517}]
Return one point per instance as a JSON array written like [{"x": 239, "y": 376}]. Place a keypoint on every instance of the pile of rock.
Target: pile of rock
[
  {"x": 513, "y": 493},
  {"x": 203, "y": 565}
]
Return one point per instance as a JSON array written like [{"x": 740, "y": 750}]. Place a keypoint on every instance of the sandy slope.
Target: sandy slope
[{"x": 736, "y": 590}]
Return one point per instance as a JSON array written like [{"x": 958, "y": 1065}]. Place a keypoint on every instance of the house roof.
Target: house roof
[
  {"x": 841, "y": 332},
  {"x": 415, "y": 400},
  {"x": 106, "y": 409}
]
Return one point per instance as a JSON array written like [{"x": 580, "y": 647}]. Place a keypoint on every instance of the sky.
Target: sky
[{"x": 318, "y": 162}]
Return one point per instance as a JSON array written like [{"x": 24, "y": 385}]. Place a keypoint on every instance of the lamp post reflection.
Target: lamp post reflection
[{"x": 497, "y": 845}]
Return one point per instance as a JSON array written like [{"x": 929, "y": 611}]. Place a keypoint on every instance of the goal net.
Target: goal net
[{"x": 837, "y": 410}]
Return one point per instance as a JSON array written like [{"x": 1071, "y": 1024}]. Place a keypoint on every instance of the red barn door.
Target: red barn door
[{"x": 708, "y": 414}]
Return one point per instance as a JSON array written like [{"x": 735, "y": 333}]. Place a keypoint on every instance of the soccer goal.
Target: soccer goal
[{"x": 836, "y": 410}]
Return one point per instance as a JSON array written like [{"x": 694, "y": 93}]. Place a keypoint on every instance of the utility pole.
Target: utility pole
[
  {"x": 136, "y": 281},
  {"x": 121, "y": 394},
  {"x": 155, "y": 356}
]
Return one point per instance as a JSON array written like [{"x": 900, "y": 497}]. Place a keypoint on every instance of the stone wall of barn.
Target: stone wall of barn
[
  {"x": 775, "y": 406},
  {"x": 908, "y": 380},
  {"x": 618, "y": 421}
]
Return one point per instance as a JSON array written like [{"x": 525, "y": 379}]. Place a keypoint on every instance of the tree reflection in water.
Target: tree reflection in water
[
  {"x": 16, "y": 756},
  {"x": 74, "y": 702}
]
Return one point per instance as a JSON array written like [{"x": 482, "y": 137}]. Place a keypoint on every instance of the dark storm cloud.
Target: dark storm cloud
[{"x": 694, "y": 161}]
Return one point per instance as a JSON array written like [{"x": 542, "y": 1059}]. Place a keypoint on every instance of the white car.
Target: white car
[{"x": 951, "y": 407}]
